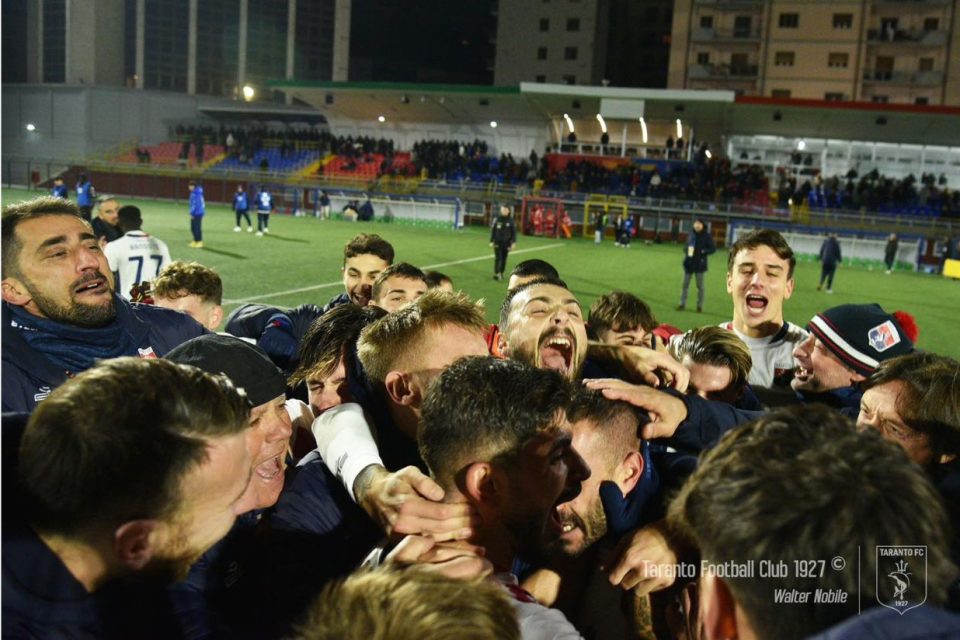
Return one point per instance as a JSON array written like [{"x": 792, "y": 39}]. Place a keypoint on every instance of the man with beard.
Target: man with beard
[
  {"x": 89, "y": 540},
  {"x": 60, "y": 312},
  {"x": 494, "y": 433}
]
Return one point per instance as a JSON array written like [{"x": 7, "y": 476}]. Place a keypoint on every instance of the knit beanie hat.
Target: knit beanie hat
[{"x": 864, "y": 335}]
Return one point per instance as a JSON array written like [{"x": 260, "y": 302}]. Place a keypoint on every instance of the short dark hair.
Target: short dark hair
[
  {"x": 434, "y": 279},
  {"x": 114, "y": 443},
  {"x": 129, "y": 218},
  {"x": 801, "y": 484},
  {"x": 329, "y": 338},
  {"x": 513, "y": 293},
  {"x": 620, "y": 311},
  {"x": 486, "y": 409},
  {"x": 180, "y": 278},
  {"x": 763, "y": 238},
  {"x": 371, "y": 243},
  {"x": 535, "y": 267},
  {"x": 401, "y": 269},
  {"x": 930, "y": 399},
  {"x": 14, "y": 214},
  {"x": 606, "y": 414}
]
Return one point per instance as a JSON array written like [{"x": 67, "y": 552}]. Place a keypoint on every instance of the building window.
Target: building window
[
  {"x": 569, "y": 79},
  {"x": 789, "y": 20},
  {"x": 573, "y": 24},
  {"x": 931, "y": 24},
  {"x": 843, "y": 21},
  {"x": 706, "y": 22},
  {"x": 541, "y": 78},
  {"x": 741, "y": 26},
  {"x": 780, "y": 93},
  {"x": 703, "y": 57},
  {"x": 921, "y": 100},
  {"x": 569, "y": 53},
  {"x": 833, "y": 97},
  {"x": 783, "y": 58},
  {"x": 652, "y": 15},
  {"x": 838, "y": 60},
  {"x": 541, "y": 53},
  {"x": 926, "y": 64},
  {"x": 880, "y": 99},
  {"x": 544, "y": 24}
]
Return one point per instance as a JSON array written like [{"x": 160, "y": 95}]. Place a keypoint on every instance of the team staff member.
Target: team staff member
[
  {"x": 86, "y": 195},
  {"x": 699, "y": 246},
  {"x": 503, "y": 238},
  {"x": 241, "y": 205},
  {"x": 264, "y": 208},
  {"x": 198, "y": 207}
]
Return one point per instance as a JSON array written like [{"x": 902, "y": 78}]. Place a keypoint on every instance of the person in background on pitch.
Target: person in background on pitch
[
  {"x": 86, "y": 195},
  {"x": 830, "y": 257},
  {"x": 264, "y": 208},
  {"x": 503, "y": 238},
  {"x": 59, "y": 189},
  {"x": 890, "y": 252},
  {"x": 105, "y": 224},
  {"x": 198, "y": 207},
  {"x": 699, "y": 246},
  {"x": 135, "y": 256},
  {"x": 241, "y": 205}
]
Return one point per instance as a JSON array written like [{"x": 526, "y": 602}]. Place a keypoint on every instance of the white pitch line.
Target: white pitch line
[{"x": 340, "y": 282}]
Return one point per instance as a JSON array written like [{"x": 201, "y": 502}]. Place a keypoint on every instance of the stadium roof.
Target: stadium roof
[{"x": 533, "y": 103}]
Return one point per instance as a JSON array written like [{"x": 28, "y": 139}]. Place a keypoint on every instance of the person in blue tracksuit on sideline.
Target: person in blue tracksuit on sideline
[
  {"x": 86, "y": 196},
  {"x": 241, "y": 206},
  {"x": 264, "y": 207},
  {"x": 59, "y": 189},
  {"x": 197, "y": 209}
]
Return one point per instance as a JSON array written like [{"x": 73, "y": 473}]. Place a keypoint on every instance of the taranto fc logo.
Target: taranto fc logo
[{"x": 901, "y": 577}]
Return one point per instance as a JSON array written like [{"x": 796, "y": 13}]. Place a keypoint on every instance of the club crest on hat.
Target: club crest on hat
[{"x": 883, "y": 336}]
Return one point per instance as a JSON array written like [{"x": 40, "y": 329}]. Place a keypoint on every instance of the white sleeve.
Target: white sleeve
[
  {"x": 111, "y": 253},
  {"x": 345, "y": 442}
]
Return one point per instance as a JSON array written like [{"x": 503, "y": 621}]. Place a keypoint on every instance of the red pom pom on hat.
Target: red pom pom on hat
[{"x": 909, "y": 325}]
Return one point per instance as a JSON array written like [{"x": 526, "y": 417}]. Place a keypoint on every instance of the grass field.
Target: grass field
[{"x": 299, "y": 261}]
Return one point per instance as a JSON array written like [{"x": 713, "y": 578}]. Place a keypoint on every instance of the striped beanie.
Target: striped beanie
[{"x": 864, "y": 335}]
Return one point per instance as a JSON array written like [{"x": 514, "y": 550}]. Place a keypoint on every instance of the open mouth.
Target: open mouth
[
  {"x": 802, "y": 373},
  {"x": 270, "y": 468},
  {"x": 756, "y": 304},
  {"x": 556, "y": 352},
  {"x": 95, "y": 284}
]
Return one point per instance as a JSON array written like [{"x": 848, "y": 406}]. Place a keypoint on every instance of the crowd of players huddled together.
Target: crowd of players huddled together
[{"x": 391, "y": 465}]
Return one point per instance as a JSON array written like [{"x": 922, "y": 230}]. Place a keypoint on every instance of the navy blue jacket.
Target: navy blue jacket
[
  {"x": 703, "y": 246},
  {"x": 336, "y": 301},
  {"x": 28, "y": 376},
  {"x": 240, "y": 202},
  {"x": 277, "y": 331},
  {"x": 830, "y": 254}
]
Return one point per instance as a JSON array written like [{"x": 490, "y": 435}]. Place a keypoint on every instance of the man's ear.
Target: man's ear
[
  {"x": 788, "y": 290},
  {"x": 729, "y": 282},
  {"x": 134, "y": 543},
  {"x": 630, "y": 472},
  {"x": 856, "y": 378},
  {"x": 502, "y": 345},
  {"x": 14, "y": 292},
  {"x": 718, "y": 609},
  {"x": 483, "y": 484},
  {"x": 214, "y": 317},
  {"x": 399, "y": 388}
]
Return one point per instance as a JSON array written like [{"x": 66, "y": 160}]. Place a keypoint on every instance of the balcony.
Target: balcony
[
  {"x": 725, "y": 35},
  {"x": 731, "y": 5},
  {"x": 722, "y": 72},
  {"x": 914, "y": 37},
  {"x": 920, "y": 78}
]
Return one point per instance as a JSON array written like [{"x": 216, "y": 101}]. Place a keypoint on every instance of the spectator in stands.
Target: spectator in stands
[
  {"x": 397, "y": 286},
  {"x": 503, "y": 238},
  {"x": 847, "y": 492},
  {"x": 759, "y": 279},
  {"x": 699, "y": 246},
  {"x": 494, "y": 433},
  {"x": 60, "y": 312},
  {"x": 59, "y": 189},
  {"x": 198, "y": 208},
  {"x": 264, "y": 209},
  {"x": 241, "y": 206},
  {"x": 86, "y": 196},
  {"x": 105, "y": 224},
  {"x": 193, "y": 289},
  {"x": 158, "y": 483},
  {"x": 719, "y": 364},
  {"x": 364, "y": 257},
  {"x": 136, "y": 256},
  {"x": 890, "y": 252},
  {"x": 437, "y": 280},
  {"x": 423, "y": 604},
  {"x": 830, "y": 258}
]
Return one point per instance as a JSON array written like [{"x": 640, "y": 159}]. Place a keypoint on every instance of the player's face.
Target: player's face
[
  {"x": 206, "y": 313},
  {"x": 546, "y": 329},
  {"x": 330, "y": 391},
  {"x": 818, "y": 370},
  {"x": 267, "y": 440},
  {"x": 759, "y": 285},
  {"x": 878, "y": 410},
  {"x": 397, "y": 292},
  {"x": 710, "y": 381},
  {"x": 636, "y": 337},
  {"x": 583, "y": 518},
  {"x": 442, "y": 346},
  {"x": 109, "y": 211},
  {"x": 549, "y": 473},
  {"x": 359, "y": 274},
  {"x": 63, "y": 273}
]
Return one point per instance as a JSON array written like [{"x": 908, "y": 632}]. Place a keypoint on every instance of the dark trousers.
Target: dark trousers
[
  {"x": 686, "y": 285},
  {"x": 195, "y": 222},
  {"x": 826, "y": 273},
  {"x": 85, "y": 212},
  {"x": 500, "y": 257},
  {"x": 243, "y": 214},
  {"x": 889, "y": 262},
  {"x": 263, "y": 221}
]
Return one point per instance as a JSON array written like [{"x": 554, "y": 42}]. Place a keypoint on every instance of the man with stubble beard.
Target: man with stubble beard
[{"x": 60, "y": 312}]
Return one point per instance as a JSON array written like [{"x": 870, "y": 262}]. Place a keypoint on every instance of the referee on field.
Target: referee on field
[{"x": 503, "y": 237}]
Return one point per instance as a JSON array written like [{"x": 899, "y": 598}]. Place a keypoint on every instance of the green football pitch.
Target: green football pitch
[{"x": 299, "y": 262}]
